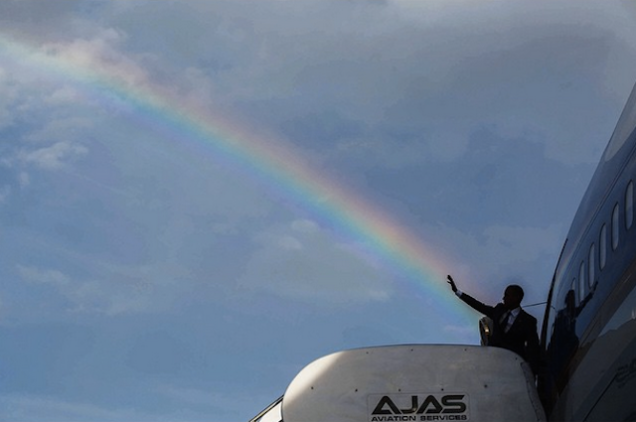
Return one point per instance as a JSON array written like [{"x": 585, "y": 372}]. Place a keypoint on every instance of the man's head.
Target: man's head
[{"x": 513, "y": 295}]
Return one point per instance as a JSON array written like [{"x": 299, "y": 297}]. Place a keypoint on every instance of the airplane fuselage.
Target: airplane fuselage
[{"x": 589, "y": 329}]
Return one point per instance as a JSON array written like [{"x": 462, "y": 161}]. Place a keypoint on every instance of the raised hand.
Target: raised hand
[{"x": 452, "y": 283}]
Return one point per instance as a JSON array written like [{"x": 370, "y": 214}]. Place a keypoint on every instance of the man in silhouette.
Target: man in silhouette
[{"x": 513, "y": 328}]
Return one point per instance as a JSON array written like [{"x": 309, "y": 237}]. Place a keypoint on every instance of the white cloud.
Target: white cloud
[
  {"x": 11, "y": 99},
  {"x": 129, "y": 291},
  {"x": 308, "y": 265},
  {"x": 64, "y": 96},
  {"x": 67, "y": 129},
  {"x": 36, "y": 275},
  {"x": 305, "y": 226},
  {"x": 289, "y": 242},
  {"x": 24, "y": 179},
  {"x": 5, "y": 191},
  {"x": 99, "y": 57},
  {"x": 53, "y": 157}
]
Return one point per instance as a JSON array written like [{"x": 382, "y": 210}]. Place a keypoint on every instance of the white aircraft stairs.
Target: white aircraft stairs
[{"x": 411, "y": 383}]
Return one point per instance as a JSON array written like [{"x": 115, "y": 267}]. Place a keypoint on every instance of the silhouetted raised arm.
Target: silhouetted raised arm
[{"x": 472, "y": 302}]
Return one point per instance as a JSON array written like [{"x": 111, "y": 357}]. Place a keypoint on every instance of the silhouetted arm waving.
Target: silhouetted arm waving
[{"x": 472, "y": 302}]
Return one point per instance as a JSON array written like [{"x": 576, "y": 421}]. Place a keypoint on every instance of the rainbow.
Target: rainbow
[{"x": 286, "y": 170}]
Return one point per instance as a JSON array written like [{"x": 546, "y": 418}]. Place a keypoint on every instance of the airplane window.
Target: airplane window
[
  {"x": 615, "y": 228},
  {"x": 602, "y": 249},
  {"x": 582, "y": 282},
  {"x": 591, "y": 267},
  {"x": 629, "y": 205}
]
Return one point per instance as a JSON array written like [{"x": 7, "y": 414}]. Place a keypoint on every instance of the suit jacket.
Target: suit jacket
[{"x": 522, "y": 336}]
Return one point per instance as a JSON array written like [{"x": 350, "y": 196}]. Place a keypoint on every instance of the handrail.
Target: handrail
[{"x": 267, "y": 409}]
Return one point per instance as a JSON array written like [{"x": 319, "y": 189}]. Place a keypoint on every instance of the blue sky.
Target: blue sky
[{"x": 146, "y": 276}]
